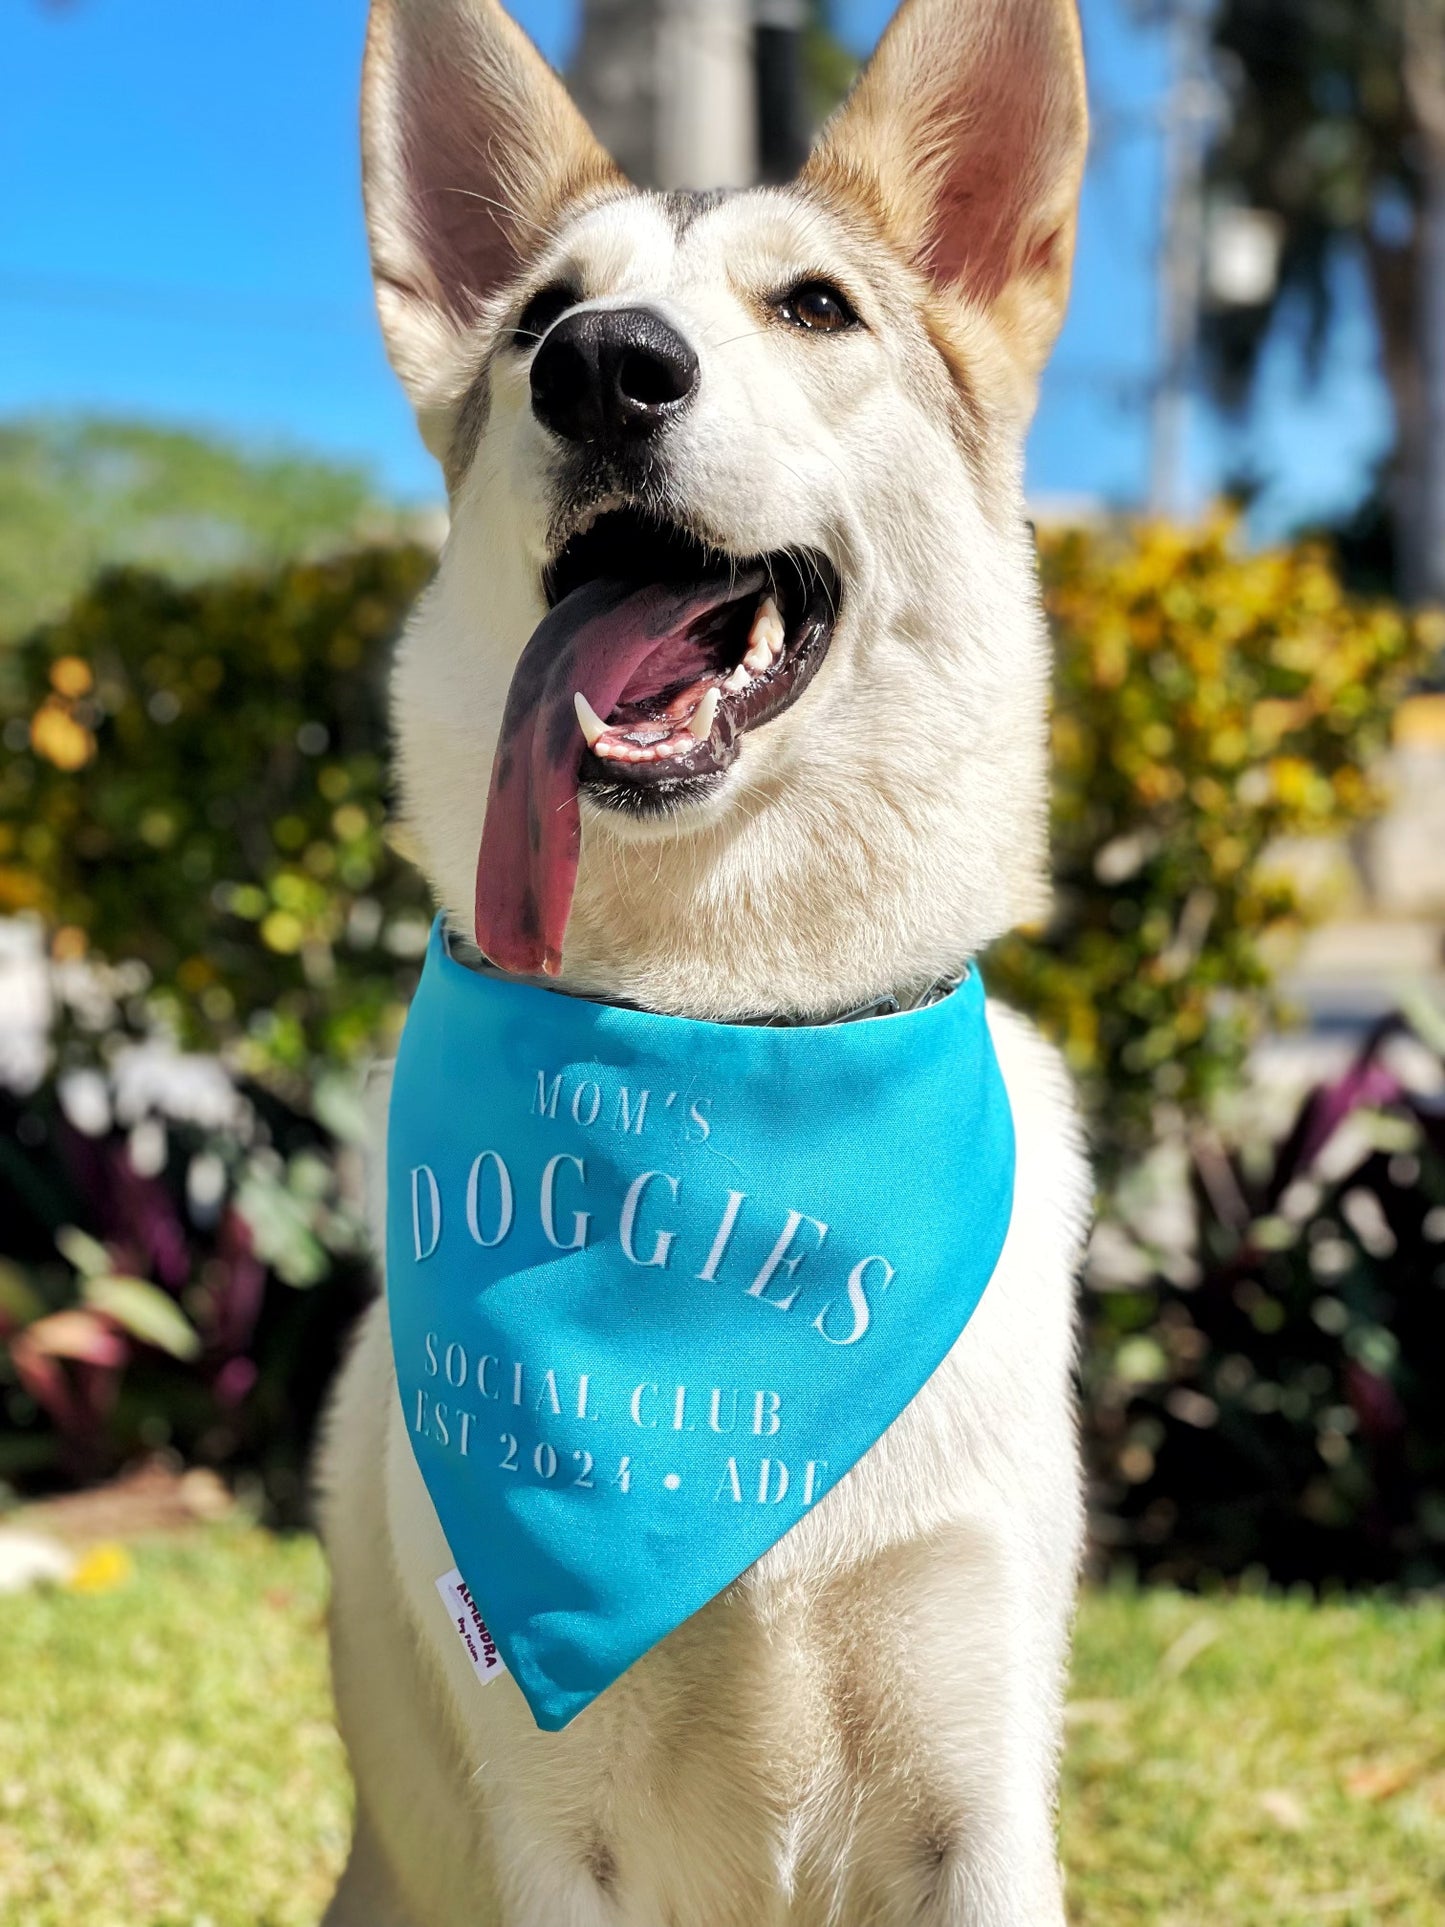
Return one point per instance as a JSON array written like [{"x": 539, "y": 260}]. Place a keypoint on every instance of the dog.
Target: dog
[{"x": 836, "y": 374}]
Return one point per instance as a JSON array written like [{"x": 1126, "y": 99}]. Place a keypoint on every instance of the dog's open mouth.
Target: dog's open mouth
[
  {"x": 678, "y": 720},
  {"x": 657, "y": 654}
]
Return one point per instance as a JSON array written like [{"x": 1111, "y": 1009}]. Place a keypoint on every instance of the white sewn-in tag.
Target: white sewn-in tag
[{"x": 487, "y": 1662}]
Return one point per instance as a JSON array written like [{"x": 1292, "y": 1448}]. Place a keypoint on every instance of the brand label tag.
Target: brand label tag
[{"x": 487, "y": 1662}]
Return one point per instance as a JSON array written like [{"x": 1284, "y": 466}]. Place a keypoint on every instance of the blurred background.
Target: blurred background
[{"x": 214, "y": 513}]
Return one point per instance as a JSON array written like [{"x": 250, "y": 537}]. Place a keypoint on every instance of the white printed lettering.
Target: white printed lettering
[
  {"x": 504, "y": 1200},
  {"x": 858, "y": 1300},
  {"x": 779, "y": 1259},
  {"x": 580, "y": 1219},
  {"x": 434, "y": 1198},
  {"x": 627, "y": 1224}
]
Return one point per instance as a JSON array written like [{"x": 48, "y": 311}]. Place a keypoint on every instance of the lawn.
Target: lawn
[{"x": 166, "y": 1757}]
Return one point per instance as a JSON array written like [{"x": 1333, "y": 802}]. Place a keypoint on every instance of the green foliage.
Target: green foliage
[
  {"x": 829, "y": 68},
  {"x": 77, "y": 495},
  {"x": 1266, "y": 1395},
  {"x": 196, "y": 783},
  {"x": 195, "y": 795},
  {"x": 1334, "y": 126},
  {"x": 167, "y": 1301},
  {"x": 1209, "y": 702}
]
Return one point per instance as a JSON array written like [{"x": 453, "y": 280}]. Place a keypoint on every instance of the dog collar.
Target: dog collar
[{"x": 655, "y": 1285}]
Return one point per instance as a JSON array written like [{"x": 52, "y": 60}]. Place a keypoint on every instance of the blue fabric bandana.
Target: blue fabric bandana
[{"x": 655, "y": 1285}]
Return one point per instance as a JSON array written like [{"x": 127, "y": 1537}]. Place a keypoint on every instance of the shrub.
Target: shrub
[
  {"x": 196, "y": 792},
  {"x": 1209, "y": 702},
  {"x": 1271, "y": 1398},
  {"x": 193, "y": 1297},
  {"x": 196, "y": 784}
]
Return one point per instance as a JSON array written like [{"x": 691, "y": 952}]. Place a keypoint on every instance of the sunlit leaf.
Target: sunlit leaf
[
  {"x": 146, "y": 1312},
  {"x": 78, "y": 1248}
]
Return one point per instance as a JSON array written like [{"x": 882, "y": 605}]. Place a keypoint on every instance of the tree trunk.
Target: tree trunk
[
  {"x": 1396, "y": 284},
  {"x": 1422, "y": 478},
  {"x": 1428, "y": 562}
]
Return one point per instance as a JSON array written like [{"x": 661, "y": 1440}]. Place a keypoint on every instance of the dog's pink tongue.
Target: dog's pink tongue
[{"x": 594, "y": 641}]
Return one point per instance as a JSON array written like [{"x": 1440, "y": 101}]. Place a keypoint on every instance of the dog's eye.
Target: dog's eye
[
  {"x": 817, "y": 306},
  {"x": 545, "y": 307}
]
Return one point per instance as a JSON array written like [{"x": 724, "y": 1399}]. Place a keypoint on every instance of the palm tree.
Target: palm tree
[{"x": 1336, "y": 125}]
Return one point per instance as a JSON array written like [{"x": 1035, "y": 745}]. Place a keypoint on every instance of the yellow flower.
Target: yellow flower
[
  {"x": 59, "y": 738},
  {"x": 70, "y": 676},
  {"x": 1292, "y": 778},
  {"x": 103, "y": 1568}
]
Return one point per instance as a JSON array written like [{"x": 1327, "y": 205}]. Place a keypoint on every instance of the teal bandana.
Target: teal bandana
[{"x": 655, "y": 1285}]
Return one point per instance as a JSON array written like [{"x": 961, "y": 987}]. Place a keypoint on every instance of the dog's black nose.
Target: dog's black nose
[{"x": 612, "y": 375}]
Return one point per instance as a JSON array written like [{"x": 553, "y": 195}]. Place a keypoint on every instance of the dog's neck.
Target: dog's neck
[{"x": 890, "y": 1003}]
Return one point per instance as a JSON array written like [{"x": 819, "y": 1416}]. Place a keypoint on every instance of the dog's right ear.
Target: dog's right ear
[{"x": 470, "y": 147}]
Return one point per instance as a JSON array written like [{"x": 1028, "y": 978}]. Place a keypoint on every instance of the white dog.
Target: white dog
[{"x": 849, "y": 803}]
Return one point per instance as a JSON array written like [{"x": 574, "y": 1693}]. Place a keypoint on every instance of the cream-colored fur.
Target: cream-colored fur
[{"x": 864, "y": 1728}]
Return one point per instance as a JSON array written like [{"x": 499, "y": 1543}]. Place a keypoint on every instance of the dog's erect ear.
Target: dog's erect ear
[
  {"x": 470, "y": 146},
  {"x": 965, "y": 139}
]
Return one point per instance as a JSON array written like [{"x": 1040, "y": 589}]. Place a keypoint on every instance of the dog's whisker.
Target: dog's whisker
[{"x": 732, "y": 340}]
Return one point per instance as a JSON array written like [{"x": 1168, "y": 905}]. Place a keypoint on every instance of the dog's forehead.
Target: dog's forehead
[{"x": 674, "y": 240}]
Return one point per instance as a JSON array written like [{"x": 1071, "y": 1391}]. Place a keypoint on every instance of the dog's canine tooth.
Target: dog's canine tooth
[
  {"x": 765, "y": 642},
  {"x": 593, "y": 726},
  {"x": 705, "y": 715}
]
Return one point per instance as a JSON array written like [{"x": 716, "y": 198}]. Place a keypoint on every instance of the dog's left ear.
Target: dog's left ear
[{"x": 964, "y": 141}]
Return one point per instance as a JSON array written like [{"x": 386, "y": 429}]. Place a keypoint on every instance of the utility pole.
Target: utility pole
[
  {"x": 1188, "y": 120},
  {"x": 782, "y": 103},
  {"x": 669, "y": 87}
]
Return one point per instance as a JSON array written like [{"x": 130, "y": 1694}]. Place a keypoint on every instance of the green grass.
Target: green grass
[
  {"x": 166, "y": 1756},
  {"x": 1256, "y": 1762}
]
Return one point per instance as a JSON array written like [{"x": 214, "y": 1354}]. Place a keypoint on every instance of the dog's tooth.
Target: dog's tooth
[
  {"x": 593, "y": 726},
  {"x": 705, "y": 715},
  {"x": 766, "y": 638},
  {"x": 738, "y": 680},
  {"x": 768, "y": 626}
]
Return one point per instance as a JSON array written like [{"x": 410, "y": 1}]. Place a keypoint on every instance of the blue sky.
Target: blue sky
[{"x": 181, "y": 238}]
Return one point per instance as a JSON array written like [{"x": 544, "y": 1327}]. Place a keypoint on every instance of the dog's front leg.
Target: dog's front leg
[
  {"x": 366, "y": 1896},
  {"x": 946, "y": 1663}
]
